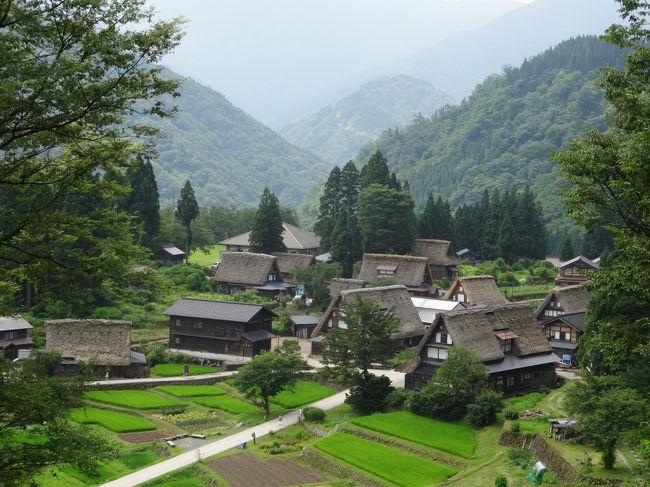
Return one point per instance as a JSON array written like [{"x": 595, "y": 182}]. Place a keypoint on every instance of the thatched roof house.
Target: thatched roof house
[
  {"x": 476, "y": 290},
  {"x": 239, "y": 271},
  {"x": 295, "y": 240},
  {"x": 339, "y": 284},
  {"x": 289, "y": 262},
  {"x": 505, "y": 337},
  {"x": 443, "y": 261},
  {"x": 412, "y": 272},
  {"x": 562, "y": 300},
  {"x": 390, "y": 298}
]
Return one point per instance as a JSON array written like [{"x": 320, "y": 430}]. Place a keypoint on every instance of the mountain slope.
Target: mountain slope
[
  {"x": 337, "y": 131},
  {"x": 228, "y": 156},
  {"x": 457, "y": 64},
  {"x": 502, "y": 135}
]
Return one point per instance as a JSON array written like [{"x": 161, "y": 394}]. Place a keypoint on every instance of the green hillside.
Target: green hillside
[
  {"x": 227, "y": 155},
  {"x": 337, "y": 132},
  {"x": 501, "y": 136}
]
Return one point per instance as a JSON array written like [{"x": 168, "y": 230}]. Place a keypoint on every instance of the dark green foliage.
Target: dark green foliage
[
  {"x": 315, "y": 279},
  {"x": 313, "y": 414},
  {"x": 186, "y": 211},
  {"x": 398, "y": 399},
  {"x": 142, "y": 201},
  {"x": 502, "y": 135},
  {"x": 435, "y": 221},
  {"x": 515, "y": 427},
  {"x": 376, "y": 171},
  {"x": 483, "y": 411},
  {"x": 500, "y": 481},
  {"x": 266, "y": 235},
  {"x": 369, "y": 393},
  {"x": 386, "y": 220},
  {"x": 566, "y": 249},
  {"x": 510, "y": 413},
  {"x": 328, "y": 211},
  {"x": 522, "y": 458},
  {"x": 596, "y": 242}
]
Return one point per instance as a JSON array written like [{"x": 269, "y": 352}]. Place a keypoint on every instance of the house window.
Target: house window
[
  {"x": 437, "y": 353},
  {"x": 506, "y": 345},
  {"x": 510, "y": 381},
  {"x": 460, "y": 297},
  {"x": 177, "y": 340},
  {"x": 567, "y": 336},
  {"x": 177, "y": 322},
  {"x": 273, "y": 277},
  {"x": 197, "y": 324},
  {"x": 556, "y": 335},
  {"x": 500, "y": 380},
  {"x": 386, "y": 270}
]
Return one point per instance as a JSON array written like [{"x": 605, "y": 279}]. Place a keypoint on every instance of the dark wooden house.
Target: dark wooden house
[
  {"x": 241, "y": 271},
  {"x": 296, "y": 240},
  {"x": 466, "y": 255},
  {"x": 475, "y": 290},
  {"x": 443, "y": 261},
  {"x": 170, "y": 255},
  {"x": 103, "y": 344},
  {"x": 506, "y": 339},
  {"x": 409, "y": 271},
  {"x": 219, "y": 330},
  {"x": 393, "y": 299},
  {"x": 575, "y": 271},
  {"x": 13, "y": 336},
  {"x": 302, "y": 326}
]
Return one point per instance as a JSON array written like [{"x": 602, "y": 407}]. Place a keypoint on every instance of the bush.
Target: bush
[
  {"x": 314, "y": 415},
  {"x": 398, "y": 398},
  {"x": 500, "y": 481},
  {"x": 369, "y": 393},
  {"x": 156, "y": 353},
  {"x": 173, "y": 410},
  {"x": 510, "y": 413},
  {"x": 483, "y": 411},
  {"x": 518, "y": 457},
  {"x": 515, "y": 427},
  {"x": 544, "y": 389}
]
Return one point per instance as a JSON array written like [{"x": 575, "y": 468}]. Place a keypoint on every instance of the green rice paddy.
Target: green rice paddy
[
  {"x": 176, "y": 370},
  {"x": 227, "y": 403},
  {"x": 191, "y": 391},
  {"x": 305, "y": 393},
  {"x": 132, "y": 399},
  {"x": 112, "y": 420}
]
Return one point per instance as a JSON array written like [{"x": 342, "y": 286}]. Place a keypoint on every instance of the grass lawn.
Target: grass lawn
[
  {"x": 455, "y": 438},
  {"x": 191, "y": 391},
  {"x": 112, "y": 420},
  {"x": 526, "y": 290},
  {"x": 306, "y": 392},
  {"x": 205, "y": 260},
  {"x": 228, "y": 404},
  {"x": 132, "y": 399},
  {"x": 176, "y": 370},
  {"x": 387, "y": 463}
]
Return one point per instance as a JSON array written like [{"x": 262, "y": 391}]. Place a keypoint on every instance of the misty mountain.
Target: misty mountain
[
  {"x": 457, "y": 64},
  {"x": 502, "y": 135},
  {"x": 228, "y": 156},
  {"x": 337, "y": 132}
]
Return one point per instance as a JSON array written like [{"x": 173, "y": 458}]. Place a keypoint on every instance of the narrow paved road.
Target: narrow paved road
[
  {"x": 161, "y": 380},
  {"x": 192, "y": 456}
]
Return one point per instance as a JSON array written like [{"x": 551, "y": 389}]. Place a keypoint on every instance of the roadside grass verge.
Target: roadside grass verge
[
  {"x": 176, "y": 370},
  {"x": 227, "y": 403},
  {"x": 191, "y": 391},
  {"x": 112, "y": 420},
  {"x": 455, "y": 438},
  {"x": 132, "y": 399},
  {"x": 398, "y": 467},
  {"x": 306, "y": 392}
]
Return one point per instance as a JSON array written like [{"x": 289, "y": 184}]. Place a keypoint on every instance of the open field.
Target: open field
[
  {"x": 176, "y": 370},
  {"x": 455, "y": 438},
  {"x": 227, "y": 403},
  {"x": 305, "y": 393},
  {"x": 191, "y": 391},
  {"x": 112, "y": 420},
  {"x": 132, "y": 399},
  {"x": 201, "y": 258},
  {"x": 388, "y": 463}
]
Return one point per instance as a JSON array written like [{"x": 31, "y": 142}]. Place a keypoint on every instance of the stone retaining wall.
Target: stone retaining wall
[{"x": 322, "y": 462}]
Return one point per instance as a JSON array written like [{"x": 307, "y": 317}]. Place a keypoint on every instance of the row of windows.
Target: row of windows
[
  {"x": 442, "y": 337},
  {"x": 437, "y": 353},
  {"x": 553, "y": 312},
  {"x": 218, "y": 331}
]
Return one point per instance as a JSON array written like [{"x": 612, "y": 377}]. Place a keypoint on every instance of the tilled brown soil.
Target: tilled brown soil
[
  {"x": 245, "y": 470},
  {"x": 143, "y": 436}
]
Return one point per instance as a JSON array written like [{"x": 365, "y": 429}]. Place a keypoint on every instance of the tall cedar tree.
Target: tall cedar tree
[
  {"x": 266, "y": 234},
  {"x": 566, "y": 251},
  {"x": 365, "y": 340},
  {"x": 143, "y": 200},
  {"x": 187, "y": 210},
  {"x": 328, "y": 210},
  {"x": 375, "y": 171},
  {"x": 436, "y": 221},
  {"x": 387, "y": 221}
]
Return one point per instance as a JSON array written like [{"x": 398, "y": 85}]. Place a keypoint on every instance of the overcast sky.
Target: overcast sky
[{"x": 282, "y": 59}]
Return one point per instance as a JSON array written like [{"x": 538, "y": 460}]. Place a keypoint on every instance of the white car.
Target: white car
[{"x": 215, "y": 265}]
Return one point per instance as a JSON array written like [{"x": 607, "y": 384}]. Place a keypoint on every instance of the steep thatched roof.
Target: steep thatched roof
[
  {"x": 244, "y": 268},
  {"x": 572, "y": 299},
  {"x": 101, "y": 342},
  {"x": 391, "y": 298},
  {"x": 477, "y": 290},
  {"x": 477, "y": 329},
  {"x": 339, "y": 284},
  {"x": 439, "y": 252},
  {"x": 407, "y": 270},
  {"x": 294, "y": 239},
  {"x": 289, "y": 262}
]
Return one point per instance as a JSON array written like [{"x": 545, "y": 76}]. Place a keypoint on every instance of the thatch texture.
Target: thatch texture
[
  {"x": 244, "y": 268},
  {"x": 289, "y": 262},
  {"x": 477, "y": 290},
  {"x": 339, "y": 284},
  {"x": 439, "y": 252},
  {"x": 408, "y": 270},
  {"x": 572, "y": 299},
  {"x": 100, "y": 342},
  {"x": 390, "y": 298}
]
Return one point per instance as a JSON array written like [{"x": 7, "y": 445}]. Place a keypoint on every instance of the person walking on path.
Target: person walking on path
[
  {"x": 280, "y": 418},
  {"x": 300, "y": 415},
  {"x": 254, "y": 436}
]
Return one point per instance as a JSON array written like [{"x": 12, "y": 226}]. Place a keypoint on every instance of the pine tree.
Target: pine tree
[
  {"x": 566, "y": 249},
  {"x": 507, "y": 242},
  {"x": 340, "y": 248},
  {"x": 266, "y": 235},
  {"x": 143, "y": 200},
  {"x": 330, "y": 202},
  {"x": 187, "y": 210},
  {"x": 376, "y": 171}
]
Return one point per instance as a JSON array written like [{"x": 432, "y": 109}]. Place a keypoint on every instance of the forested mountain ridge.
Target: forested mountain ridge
[
  {"x": 228, "y": 156},
  {"x": 338, "y": 131},
  {"x": 502, "y": 135}
]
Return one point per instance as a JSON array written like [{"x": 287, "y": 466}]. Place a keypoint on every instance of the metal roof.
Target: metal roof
[
  {"x": 562, "y": 344},
  {"x": 15, "y": 341},
  {"x": 303, "y": 320},
  {"x": 294, "y": 238},
  {"x": 512, "y": 362},
  {"x": 257, "y": 335},
  {"x": 173, "y": 250},
  {"x": 138, "y": 358},
  {"x": 214, "y": 310},
  {"x": 436, "y": 304},
  {"x": 580, "y": 258},
  {"x": 8, "y": 323}
]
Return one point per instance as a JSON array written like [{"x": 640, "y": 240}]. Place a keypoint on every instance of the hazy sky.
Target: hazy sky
[{"x": 280, "y": 60}]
